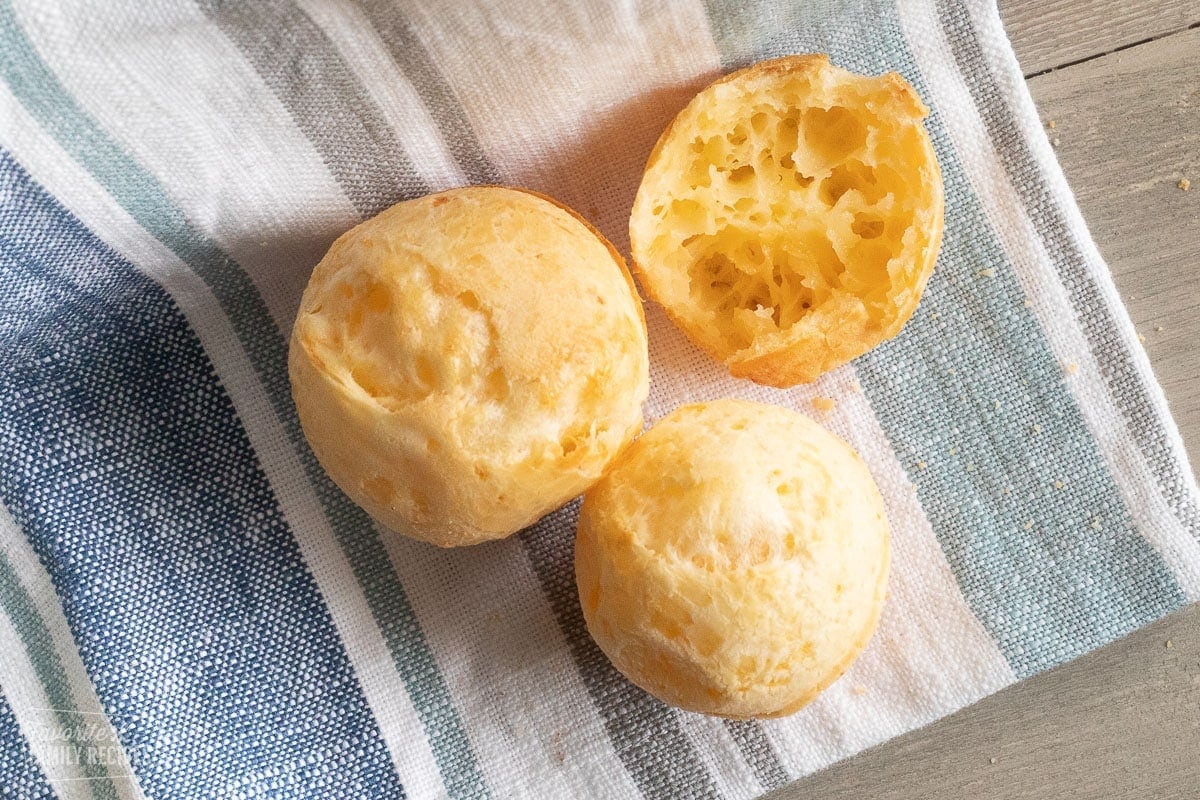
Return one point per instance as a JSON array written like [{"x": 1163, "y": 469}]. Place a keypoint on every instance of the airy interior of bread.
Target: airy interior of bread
[{"x": 787, "y": 199}]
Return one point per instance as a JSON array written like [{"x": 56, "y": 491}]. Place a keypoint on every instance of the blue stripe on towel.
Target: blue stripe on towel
[
  {"x": 961, "y": 390},
  {"x": 148, "y": 203},
  {"x": 125, "y": 464}
]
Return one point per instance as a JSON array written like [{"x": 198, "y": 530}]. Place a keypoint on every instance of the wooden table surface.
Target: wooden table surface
[{"x": 1121, "y": 80}]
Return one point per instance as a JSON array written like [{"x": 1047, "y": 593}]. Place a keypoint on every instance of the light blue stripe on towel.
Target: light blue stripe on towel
[
  {"x": 35, "y": 637},
  {"x": 21, "y": 777},
  {"x": 1099, "y": 326},
  {"x": 123, "y": 461},
  {"x": 961, "y": 390}
]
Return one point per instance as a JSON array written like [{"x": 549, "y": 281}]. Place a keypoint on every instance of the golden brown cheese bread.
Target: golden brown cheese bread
[
  {"x": 466, "y": 362},
  {"x": 790, "y": 216},
  {"x": 734, "y": 560}
]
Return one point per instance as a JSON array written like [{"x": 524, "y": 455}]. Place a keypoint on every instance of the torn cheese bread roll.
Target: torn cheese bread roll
[
  {"x": 789, "y": 218},
  {"x": 734, "y": 560},
  {"x": 466, "y": 362}
]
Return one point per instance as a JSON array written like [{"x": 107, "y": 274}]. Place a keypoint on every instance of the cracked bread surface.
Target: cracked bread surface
[
  {"x": 734, "y": 560},
  {"x": 789, "y": 217},
  {"x": 468, "y": 361}
]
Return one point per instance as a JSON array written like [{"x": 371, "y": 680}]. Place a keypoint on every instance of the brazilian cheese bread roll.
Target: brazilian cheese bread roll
[
  {"x": 789, "y": 218},
  {"x": 466, "y": 362},
  {"x": 734, "y": 560}
]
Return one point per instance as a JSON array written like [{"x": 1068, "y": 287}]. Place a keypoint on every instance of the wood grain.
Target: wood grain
[
  {"x": 1051, "y": 33},
  {"x": 1122, "y": 723},
  {"x": 1128, "y": 129},
  {"x": 1118, "y": 724}
]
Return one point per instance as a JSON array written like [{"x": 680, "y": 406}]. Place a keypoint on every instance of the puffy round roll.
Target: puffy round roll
[
  {"x": 789, "y": 218},
  {"x": 466, "y": 362},
  {"x": 734, "y": 561}
]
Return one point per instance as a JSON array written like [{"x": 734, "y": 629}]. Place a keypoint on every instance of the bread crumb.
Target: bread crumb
[
  {"x": 1028, "y": 526},
  {"x": 1071, "y": 368},
  {"x": 953, "y": 451},
  {"x": 560, "y": 756},
  {"x": 921, "y": 465},
  {"x": 1037, "y": 428},
  {"x": 934, "y": 315},
  {"x": 859, "y": 690},
  {"x": 1141, "y": 337},
  {"x": 1055, "y": 142},
  {"x": 988, "y": 273},
  {"x": 1184, "y": 184},
  {"x": 824, "y": 404},
  {"x": 1169, "y": 644},
  {"x": 855, "y": 386},
  {"x": 1028, "y": 303},
  {"x": 1096, "y": 523},
  {"x": 992, "y": 760},
  {"x": 1050, "y": 124},
  {"x": 1058, "y": 484},
  {"x": 1158, "y": 328}
]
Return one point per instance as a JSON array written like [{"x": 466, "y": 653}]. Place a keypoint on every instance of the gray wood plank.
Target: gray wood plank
[
  {"x": 1051, "y": 33},
  {"x": 1128, "y": 129},
  {"x": 1123, "y": 722},
  {"x": 1118, "y": 724}
]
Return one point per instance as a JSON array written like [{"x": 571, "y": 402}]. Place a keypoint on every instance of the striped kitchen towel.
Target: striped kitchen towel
[{"x": 190, "y": 609}]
